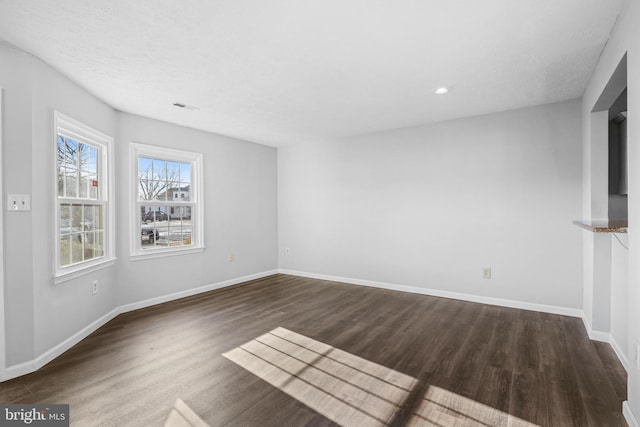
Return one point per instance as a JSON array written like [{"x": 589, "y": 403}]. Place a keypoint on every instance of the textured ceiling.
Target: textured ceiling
[{"x": 289, "y": 71}]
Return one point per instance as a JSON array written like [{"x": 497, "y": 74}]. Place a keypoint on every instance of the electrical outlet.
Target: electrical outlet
[
  {"x": 486, "y": 273},
  {"x": 230, "y": 258},
  {"x": 287, "y": 251},
  {"x": 94, "y": 287}
]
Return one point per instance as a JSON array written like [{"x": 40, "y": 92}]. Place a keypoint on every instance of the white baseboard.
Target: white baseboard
[
  {"x": 56, "y": 351},
  {"x": 595, "y": 335},
  {"x": 608, "y": 338},
  {"x": 46, "y": 357},
  {"x": 19, "y": 370},
  {"x": 572, "y": 312},
  {"x": 628, "y": 415},
  {"x": 189, "y": 292},
  {"x": 621, "y": 356}
]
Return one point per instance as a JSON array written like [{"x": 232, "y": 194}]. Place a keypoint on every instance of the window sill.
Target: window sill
[
  {"x": 83, "y": 270},
  {"x": 165, "y": 253}
]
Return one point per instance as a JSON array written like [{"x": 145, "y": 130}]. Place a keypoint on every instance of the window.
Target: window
[
  {"x": 167, "y": 213},
  {"x": 83, "y": 208}
]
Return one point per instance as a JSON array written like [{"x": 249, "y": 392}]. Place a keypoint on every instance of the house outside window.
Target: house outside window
[{"x": 168, "y": 201}]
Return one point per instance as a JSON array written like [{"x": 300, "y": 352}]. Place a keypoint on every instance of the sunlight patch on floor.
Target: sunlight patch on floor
[
  {"x": 347, "y": 389},
  {"x": 353, "y": 391},
  {"x": 440, "y": 407}
]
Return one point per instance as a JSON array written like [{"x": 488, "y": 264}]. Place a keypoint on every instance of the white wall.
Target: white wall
[
  {"x": 240, "y": 194},
  {"x": 15, "y": 72},
  {"x": 42, "y": 318},
  {"x": 625, "y": 39},
  {"x": 429, "y": 207},
  {"x": 38, "y": 314},
  {"x": 619, "y": 295},
  {"x": 64, "y": 309}
]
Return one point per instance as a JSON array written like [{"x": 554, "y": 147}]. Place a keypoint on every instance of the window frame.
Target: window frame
[
  {"x": 81, "y": 132},
  {"x": 196, "y": 199}
]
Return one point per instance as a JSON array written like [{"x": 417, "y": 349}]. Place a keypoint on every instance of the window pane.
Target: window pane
[
  {"x": 185, "y": 232},
  {"x": 163, "y": 233},
  {"x": 159, "y": 170},
  {"x": 76, "y": 218},
  {"x": 160, "y": 179},
  {"x": 60, "y": 150},
  {"x": 61, "y": 176},
  {"x": 65, "y": 219},
  {"x": 144, "y": 166},
  {"x": 76, "y": 248},
  {"x": 178, "y": 230},
  {"x": 155, "y": 226},
  {"x": 89, "y": 239},
  {"x": 71, "y": 153},
  {"x": 144, "y": 178},
  {"x": 155, "y": 221},
  {"x": 155, "y": 213},
  {"x": 76, "y": 233},
  {"x": 99, "y": 244},
  {"x": 71, "y": 183},
  {"x": 84, "y": 185},
  {"x": 185, "y": 173},
  {"x": 153, "y": 190},
  {"x": 173, "y": 192},
  {"x": 145, "y": 169},
  {"x": 89, "y": 218},
  {"x": 81, "y": 235},
  {"x": 83, "y": 150},
  {"x": 149, "y": 235},
  {"x": 93, "y": 160},
  {"x": 185, "y": 193},
  {"x": 173, "y": 171},
  {"x": 143, "y": 189},
  {"x": 181, "y": 213},
  {"x": 99, "y": 217},
  {"x": 93, "y": 187},
  {"x": 160, "y": 190},
  {"x": 65, "y": 250}
]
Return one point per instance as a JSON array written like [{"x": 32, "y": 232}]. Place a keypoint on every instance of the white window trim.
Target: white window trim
[
  {"x": 86, "y": 133},
  {"x": 197, "y": 234}
]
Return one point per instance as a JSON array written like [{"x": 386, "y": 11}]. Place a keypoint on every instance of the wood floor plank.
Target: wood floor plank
[{"x": 467, "y": 363}]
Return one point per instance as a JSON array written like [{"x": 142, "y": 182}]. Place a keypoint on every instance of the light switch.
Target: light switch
[{"x": 18, "y": 202}]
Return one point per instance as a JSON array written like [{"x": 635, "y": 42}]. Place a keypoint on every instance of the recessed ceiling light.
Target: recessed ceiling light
[{"x": 441, "y": 90}]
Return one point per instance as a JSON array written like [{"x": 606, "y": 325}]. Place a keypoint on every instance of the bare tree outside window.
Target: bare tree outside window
[
  {"x": 83, "y": 237},
  {"x": 157, "y": 177},
  {"x": 81, "y": 225},
  {"x": 164, "y": 189}
]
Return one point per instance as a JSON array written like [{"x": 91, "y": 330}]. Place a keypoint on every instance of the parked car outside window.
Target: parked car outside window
[
  {"x": 149, "y": 233},
  {"x": 155, "y": 216}
]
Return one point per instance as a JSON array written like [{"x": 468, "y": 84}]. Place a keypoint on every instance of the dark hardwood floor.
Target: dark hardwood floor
[{"x": 538, "y": 367}]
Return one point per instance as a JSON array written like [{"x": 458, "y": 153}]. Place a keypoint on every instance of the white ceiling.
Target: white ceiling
[{"x": 288, "y": 71}]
